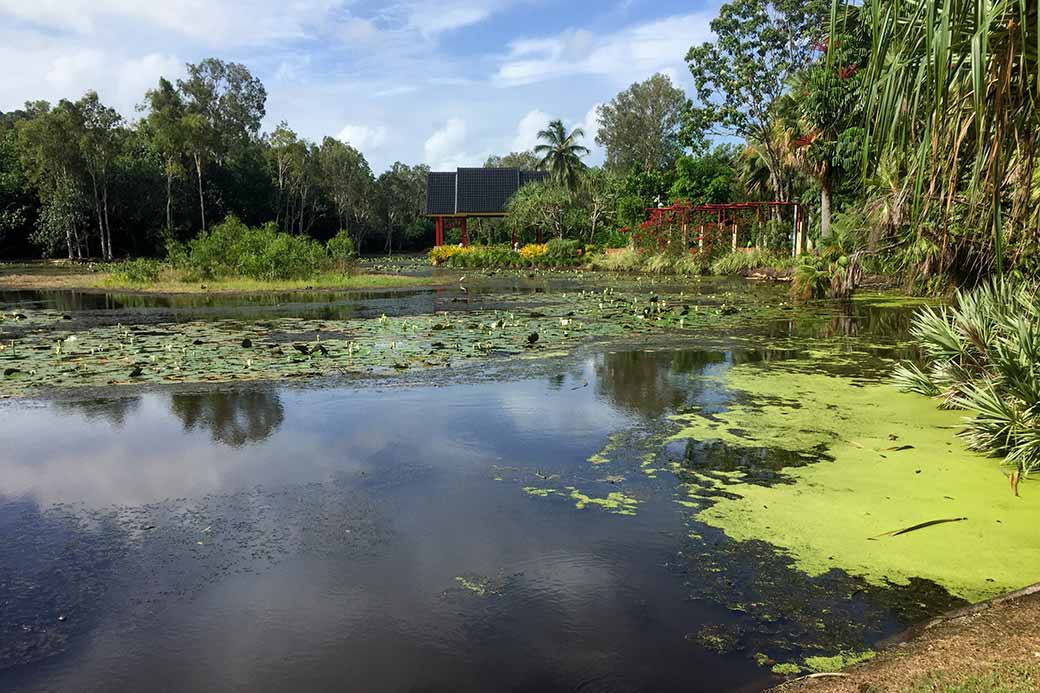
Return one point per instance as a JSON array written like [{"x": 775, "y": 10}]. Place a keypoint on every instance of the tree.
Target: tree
[
  {"x": 541, "y": 205},
  {"x": 224, "y": 106},
  {"x": 165, "y": 128},
  {"x": 100, "y": 134},
  {"x": 760, "y": 45},
  {"x": 561, "y": 153},
  {"x": 707, "y": 179},
  {"x": 830, "y": 102},
  {"x": 598, "y": 195},
  {"x": 526, "y": 160},
  {"x": 347, "y": 179},
  {"x": 54, "y": 170},
  {"x": 640, "y": 127},
  {"x": 15, "y": 199},
  {"x": 401, "y": 193}
]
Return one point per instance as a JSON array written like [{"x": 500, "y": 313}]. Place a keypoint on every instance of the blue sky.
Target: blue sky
[{"x": 444, "y": 83}]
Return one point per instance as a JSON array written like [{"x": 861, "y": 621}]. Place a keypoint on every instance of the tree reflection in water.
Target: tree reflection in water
[
  {"x": 234, "y": 418},
  {"x": 114, "y": 410},
  {"x": 651, "y": 383}
]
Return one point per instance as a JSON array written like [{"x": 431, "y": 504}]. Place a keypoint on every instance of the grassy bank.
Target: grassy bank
[{"x": 174, "y": 282}]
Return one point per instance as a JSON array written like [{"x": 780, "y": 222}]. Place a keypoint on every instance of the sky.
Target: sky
[{"x": 444, "y": 83}]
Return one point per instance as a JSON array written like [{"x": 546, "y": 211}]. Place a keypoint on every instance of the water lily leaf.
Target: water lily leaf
[
  {"x": 247, "y": 343},
  {"x": 532, "y": 338},
  {"x": 136, "y": 372}
]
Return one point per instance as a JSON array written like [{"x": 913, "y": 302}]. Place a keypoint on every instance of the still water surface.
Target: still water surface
[{"x": 375, "y": 538}]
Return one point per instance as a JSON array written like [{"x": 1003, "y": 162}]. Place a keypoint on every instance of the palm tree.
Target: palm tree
[{"x": 561, "y": 154}]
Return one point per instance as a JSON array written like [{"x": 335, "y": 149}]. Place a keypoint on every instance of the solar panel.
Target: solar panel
[
  {"x": 475, "y": 190},
  {"x": 440, "y": 193}
]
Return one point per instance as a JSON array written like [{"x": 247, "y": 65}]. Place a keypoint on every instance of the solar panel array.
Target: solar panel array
[
  {"x": 440, "y": 193},
  {"x": 475, "y": 190}
]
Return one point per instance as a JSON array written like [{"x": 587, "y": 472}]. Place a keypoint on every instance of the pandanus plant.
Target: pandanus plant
[{"x": 983, "y": 355}]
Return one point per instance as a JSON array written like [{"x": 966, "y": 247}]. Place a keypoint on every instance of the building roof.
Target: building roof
[{"x": 475, "y": 190}]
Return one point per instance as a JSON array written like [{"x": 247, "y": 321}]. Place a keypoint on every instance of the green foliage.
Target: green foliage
[
  {"x": 341, "y": 248},
  {"x": 232, "y": 249},
  {"x": 138, "y": 271},
  {"x": 561, "y": 153},
  {"x": 709, "y": 179},
  {"x": 983, "y": 355},
  {"x": 741, "y": 262},
  {"x": 563, "y": 252},
  {"x": 741, "y": 75},
  {"x": 640, "y": 126}
]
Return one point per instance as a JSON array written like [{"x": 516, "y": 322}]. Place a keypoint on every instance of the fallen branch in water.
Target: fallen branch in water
[{"x": 914, "y": 528}]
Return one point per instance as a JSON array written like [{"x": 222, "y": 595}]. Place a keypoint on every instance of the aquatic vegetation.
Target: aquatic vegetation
[
  {"x": 719, "y": 638},
  {"x": 786, "y": 669},
  {"x": 615, "y": 502},
  {"x": 837, "y": 662},
  {"x": 983, "y": 356},
  {"x": 480, "y": 586},
  {"x": 894, "y": 465},
  {"x": 40, "y": 351}
]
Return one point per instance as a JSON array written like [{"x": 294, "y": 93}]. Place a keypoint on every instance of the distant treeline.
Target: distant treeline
[{"x": 77, "y": 179}]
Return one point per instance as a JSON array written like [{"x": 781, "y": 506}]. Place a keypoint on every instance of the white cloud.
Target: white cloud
[
  {"x": 631, "y": 53},
  {"x": 527, "y": 130},
  {"x": 363, "y": 137},
  {"x": 590, "y": 125},
  {"x": 222, "y": 22},
  {"x": 444, "y": 148}
]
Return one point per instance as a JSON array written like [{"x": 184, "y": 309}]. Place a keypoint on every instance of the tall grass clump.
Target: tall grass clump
[
  {"x": 739, "y": 263},
  {"x": 983, "y": 356},
  {"x": 624, "y": 260}
]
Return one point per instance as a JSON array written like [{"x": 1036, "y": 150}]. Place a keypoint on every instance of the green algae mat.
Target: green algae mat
[{"x": 894, "y": 494}]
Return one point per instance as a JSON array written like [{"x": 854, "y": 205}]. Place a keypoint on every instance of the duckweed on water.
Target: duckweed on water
[
  {"x": 894, "y": 465},
  {"x": 615, "y": 502}
]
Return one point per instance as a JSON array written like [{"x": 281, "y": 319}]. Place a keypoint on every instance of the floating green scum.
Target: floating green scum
[{"x": 893, "y": 463}]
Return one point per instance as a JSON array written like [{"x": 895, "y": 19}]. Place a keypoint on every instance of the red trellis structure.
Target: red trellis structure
[{"x": 705, "y": 223}]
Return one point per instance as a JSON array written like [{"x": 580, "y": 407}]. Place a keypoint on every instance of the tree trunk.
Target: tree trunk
[
  {"x": 202, "y": 201},
  {"x": 169, "y": 201},
  {"x": 825, "y": 211},
  {"x": 108, "y": 227},
  {"x": 97, "y": 211}
]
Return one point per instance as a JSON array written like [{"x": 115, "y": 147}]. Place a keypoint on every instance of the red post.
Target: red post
[
  {"x": 438, "y": 234},
  {"x": 514, "y": 236},
  {"x": 539, "y": 236},
  {"x": 465, "y": 238}
]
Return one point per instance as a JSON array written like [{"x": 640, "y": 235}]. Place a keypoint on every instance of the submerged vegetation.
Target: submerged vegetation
[{"x": 983, "y": 356}]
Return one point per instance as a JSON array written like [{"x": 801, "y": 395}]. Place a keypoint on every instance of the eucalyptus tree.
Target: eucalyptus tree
[
  {"x": 100, "y": 133},
  {"x": 401, "y": 198},
  {"x": 739, "y": 77},
  {"x": 164, "y": 128},
  {"x": 347, "y": 179},
  {"x": 55, "y": 170},
  {"x": 224, "y": 107},
  {"x": 641, "y": 126},
  {"x": 561, "y": 153}
]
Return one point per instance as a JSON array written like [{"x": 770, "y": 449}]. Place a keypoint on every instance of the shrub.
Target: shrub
[
  {"x": 533, "y": 251},
  {"x": 232, "y": 249},
  {"x": 139, "y": 271},
  {"x": 561, "y": 251},
  {"x": 340, "y": 249},
  {"x": 984, "y": 356},
  {"x": 442, "y": 253}
]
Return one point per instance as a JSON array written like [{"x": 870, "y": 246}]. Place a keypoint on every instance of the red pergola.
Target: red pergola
[{"x": 724, "y": 215}]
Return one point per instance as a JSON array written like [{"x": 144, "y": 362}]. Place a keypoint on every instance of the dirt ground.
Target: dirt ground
[{"x": 990, "y": 647}]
